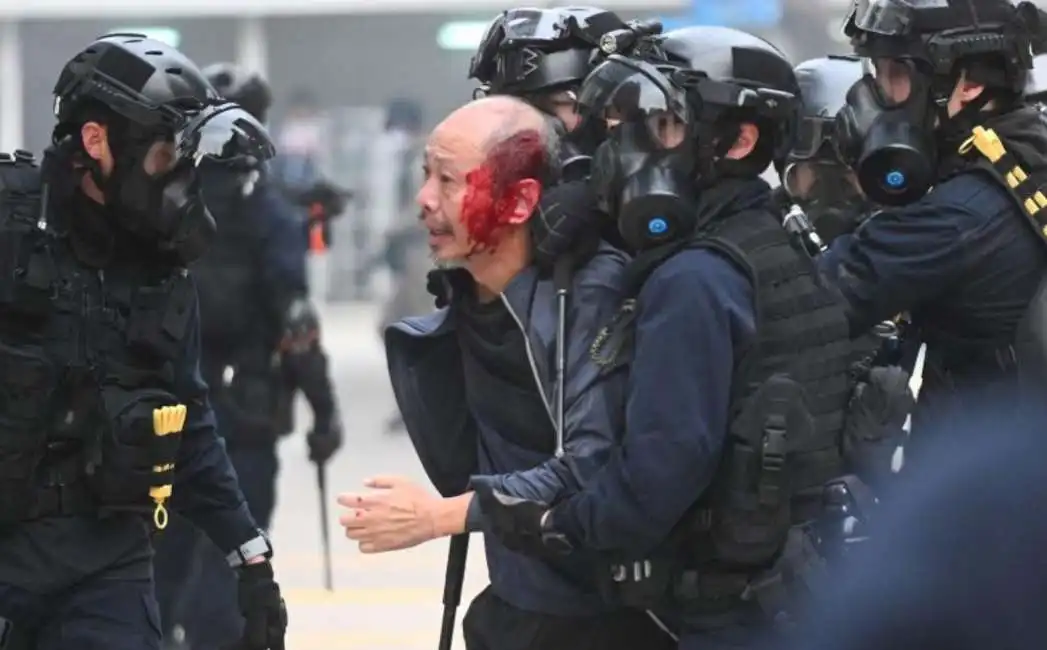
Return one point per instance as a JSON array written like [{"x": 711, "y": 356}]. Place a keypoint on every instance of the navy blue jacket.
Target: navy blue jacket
[
  {"x": 425, "y": 368},
  {"x": 962, "y": 261},
  {"x": 206, "y": 490},
  {"x": 693, "y": 311}
]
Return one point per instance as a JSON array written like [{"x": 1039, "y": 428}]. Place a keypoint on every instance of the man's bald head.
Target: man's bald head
[
  {"x": 492, "y": 120},
  {"x": 490, "y": 160}
]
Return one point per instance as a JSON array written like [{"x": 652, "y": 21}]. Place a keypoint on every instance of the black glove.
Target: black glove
[
  {"x": 518, "y": 524},
  {"x": 265, "y": 615},
  {"x": 566, "y": 223},
  {"x": 875, "y": 418},
  {"x": 325, "y": 439}
]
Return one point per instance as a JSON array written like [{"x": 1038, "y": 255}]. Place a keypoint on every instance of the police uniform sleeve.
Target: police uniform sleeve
[
  {"x": 694, "y": 309},
  {"x": 898, "y": 259},
  {"x": 284, "y": 246},
  {"x": 592, "y": 399},
  {"x": 206, "y": 490}
]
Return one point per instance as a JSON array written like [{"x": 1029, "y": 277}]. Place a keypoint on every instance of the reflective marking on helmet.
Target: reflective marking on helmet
[
  {"x": 895, "y": 179},
  {"x": 657, "y": 226}
]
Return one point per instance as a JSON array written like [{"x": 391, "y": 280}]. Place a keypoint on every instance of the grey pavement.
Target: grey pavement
[{"x": 391, "y": 600}]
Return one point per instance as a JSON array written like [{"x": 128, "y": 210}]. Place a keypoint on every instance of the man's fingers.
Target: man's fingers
[{"x": 360, "y": 501}]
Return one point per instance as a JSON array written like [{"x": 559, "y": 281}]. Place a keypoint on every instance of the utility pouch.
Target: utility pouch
[
  {"x": 751, "y": 498},
  {"x": 159, "y": 318},
  {"x": 131, "y": 448},
  {"x": 28, "y": 382}
]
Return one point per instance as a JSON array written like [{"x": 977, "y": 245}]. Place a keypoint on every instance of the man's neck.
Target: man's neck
[{"x": 494, "y": 270}]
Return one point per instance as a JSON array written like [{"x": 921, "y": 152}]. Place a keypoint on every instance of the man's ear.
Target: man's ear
[
  {"x": 527, "y": 194},
  {"x": 95, "y": 140},
  {"x": 748, "y": 136}
]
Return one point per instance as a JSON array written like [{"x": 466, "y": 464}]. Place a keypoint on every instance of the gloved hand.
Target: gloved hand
[
  {"x": 521, "y": 525},
  {"x": 325, "y": 439},
  {"x": 265, "y": 615},
  {"x": 566, "y": 222}
]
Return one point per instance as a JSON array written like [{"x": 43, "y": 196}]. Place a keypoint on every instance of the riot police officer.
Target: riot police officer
[
  {"x": 724, "y": 330},
  {"x": 105, "y": 415},
  {"x": 812, "y": 174},
  {"x": 262, "y": 257},
  {"x": 259, "y": 339},
  {"x": 937, "y": 130}
]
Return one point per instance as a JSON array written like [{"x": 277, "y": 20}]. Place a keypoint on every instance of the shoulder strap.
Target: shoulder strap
[{"x": 1005, "y": 167}]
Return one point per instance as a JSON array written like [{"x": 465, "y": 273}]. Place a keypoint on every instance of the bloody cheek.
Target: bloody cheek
[{"x": 484, "y": 215}]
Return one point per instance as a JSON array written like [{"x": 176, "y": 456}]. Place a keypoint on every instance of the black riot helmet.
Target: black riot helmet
[
  {"x": 531, "y": 51},
  {"x": 237, "y": 84},
  {"x": 535, "y": 53},
  {"x": 896, "y": 122},
  {"x": 152, "y": 98},
  {"x": 678, "y": 112}
]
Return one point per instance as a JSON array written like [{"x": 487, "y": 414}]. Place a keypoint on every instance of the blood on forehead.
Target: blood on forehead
[{"x": 492, "y": 189}]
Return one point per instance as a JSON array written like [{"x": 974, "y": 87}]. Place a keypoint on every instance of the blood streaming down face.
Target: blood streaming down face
[{"x": 492, "y": 189}]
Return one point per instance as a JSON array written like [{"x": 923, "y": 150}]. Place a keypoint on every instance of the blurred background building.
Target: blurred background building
[{"x": 339, "y": 69}]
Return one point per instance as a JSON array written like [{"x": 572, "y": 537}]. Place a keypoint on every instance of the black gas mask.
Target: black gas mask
[
  {"x": 175, "y": 208},
  {"x": 643, "y": 172},
  {"x": 888, "y": 141},
  {"x": 830, "y": 200}
]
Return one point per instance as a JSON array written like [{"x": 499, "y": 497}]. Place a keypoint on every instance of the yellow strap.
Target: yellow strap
[
  {"x": 988, "y": 144},
  {"x": 166, "y": 420}
]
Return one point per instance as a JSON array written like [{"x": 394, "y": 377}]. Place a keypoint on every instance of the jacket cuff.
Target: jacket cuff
[
  {"x": 474, "y": 517},
  {"x": 228, "y": 529}
]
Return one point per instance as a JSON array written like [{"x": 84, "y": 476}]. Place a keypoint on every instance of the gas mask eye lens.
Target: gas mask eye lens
[
  {"x": 666, "y": 129},
  {"x": 894, "y": 79}
]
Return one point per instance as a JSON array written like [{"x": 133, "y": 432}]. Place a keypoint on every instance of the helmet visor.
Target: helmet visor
[
  {"x": 890, "y": 17},
  {"x": 624, "y": 90},
  {"x": 224, "y": 133}
]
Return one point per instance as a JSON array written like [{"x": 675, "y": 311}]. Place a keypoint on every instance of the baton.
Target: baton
[
  {"x": 562, "y": 272},
  {"x": 325, "y": 531},
  {"x": 457, "y": 554}
]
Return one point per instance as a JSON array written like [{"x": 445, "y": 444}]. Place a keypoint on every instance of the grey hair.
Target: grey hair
[{"x": 518, "y": 114}]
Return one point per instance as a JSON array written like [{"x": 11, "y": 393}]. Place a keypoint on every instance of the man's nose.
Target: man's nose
[{"x": 424, "y": 198}]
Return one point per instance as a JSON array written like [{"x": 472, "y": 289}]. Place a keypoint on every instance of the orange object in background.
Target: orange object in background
[{"x": 316, "y": 229}]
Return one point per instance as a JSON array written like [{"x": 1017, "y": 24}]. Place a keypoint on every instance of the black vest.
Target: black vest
[
  {"x": 82, "y": 353},
  {"x": 789, "y": 401}
]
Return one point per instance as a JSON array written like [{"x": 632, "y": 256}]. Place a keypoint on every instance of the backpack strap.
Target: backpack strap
[{"x": 1005, "y": 167}]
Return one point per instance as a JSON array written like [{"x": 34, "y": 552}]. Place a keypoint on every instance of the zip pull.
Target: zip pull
[{"x": 615, "y": 336}]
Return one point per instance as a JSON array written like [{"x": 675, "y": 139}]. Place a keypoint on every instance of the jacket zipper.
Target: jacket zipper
[{"x": 534, "y": 370}]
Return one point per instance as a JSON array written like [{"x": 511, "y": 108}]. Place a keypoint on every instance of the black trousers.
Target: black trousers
[{"x": 493, "y": 624}]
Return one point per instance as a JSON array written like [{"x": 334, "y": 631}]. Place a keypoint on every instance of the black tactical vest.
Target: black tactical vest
[
  {"x": 789, "y": 400},
  {"x": 80, "y": 351}
]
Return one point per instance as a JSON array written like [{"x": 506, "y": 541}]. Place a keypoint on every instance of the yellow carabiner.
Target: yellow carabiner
[{"x": 160, "y": 517}]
